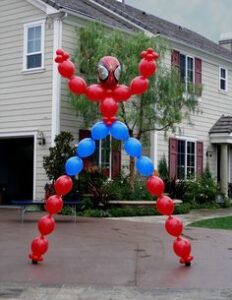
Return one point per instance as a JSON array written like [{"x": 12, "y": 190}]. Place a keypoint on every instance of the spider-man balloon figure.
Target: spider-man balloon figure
[{"x": 108, "y": 93}]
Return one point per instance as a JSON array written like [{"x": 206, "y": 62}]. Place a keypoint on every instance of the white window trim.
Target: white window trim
[
  {"x": 26, "y": 27},
  {"x": 193, "y": 140},
  {"x": 226, "y": 79}
]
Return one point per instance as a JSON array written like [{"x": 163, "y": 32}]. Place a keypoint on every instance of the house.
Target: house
[{"x": 34, "y": 101}]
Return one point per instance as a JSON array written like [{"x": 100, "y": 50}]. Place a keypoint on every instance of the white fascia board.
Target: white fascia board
[
  {"x": 221, "y": 138},
  {"x": 48, "y": 9}
]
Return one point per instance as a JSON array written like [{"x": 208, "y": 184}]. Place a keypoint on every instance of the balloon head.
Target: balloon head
[{"x": 109, "y": 71}]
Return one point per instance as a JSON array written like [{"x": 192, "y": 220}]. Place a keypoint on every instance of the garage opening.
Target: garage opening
[{"x": 16, "y": 169}]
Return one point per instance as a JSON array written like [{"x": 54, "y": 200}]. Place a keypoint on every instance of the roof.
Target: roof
[
  {"x": 143, "y": 19},
  {"x": 223, "y": 125},
  {"x": 90, "y": 10}
]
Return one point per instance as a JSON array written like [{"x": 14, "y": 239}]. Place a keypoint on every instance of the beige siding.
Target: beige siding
[
  {"x": 25, "y": 99},
  {"x": 70, "y": 43},
  {"x": 212, "y": 104}
]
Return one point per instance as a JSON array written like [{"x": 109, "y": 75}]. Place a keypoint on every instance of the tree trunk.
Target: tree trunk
[{"x": 132, "y": 173}]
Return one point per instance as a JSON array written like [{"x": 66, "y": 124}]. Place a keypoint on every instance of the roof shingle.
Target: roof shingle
[{"x": 223, "y": 125}]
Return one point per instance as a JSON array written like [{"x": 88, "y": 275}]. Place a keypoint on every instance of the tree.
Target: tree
[
  {"x": 162, "y": 107},
  {"x": 54, "y": 163}
]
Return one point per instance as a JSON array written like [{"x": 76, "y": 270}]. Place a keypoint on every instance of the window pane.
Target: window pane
[
  {"x": 95, "y": 156},
  {"x": 181, "y": 160},
  {"x": 37, "y": 32},
  {"x": 34, "y": 61},
  {"x": 190, "y": 159},
  {"x": 34, "y": 39},
  {"x": 105, "y": 153},
  {"x": 190, "y": 69},
  {"x": 223, "y": 73},
  {"x": 222, "y": 84},
  {"x": 182, "y": 66}
]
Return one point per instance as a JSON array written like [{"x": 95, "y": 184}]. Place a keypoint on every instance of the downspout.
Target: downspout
[{"x": 56, "y": 80}]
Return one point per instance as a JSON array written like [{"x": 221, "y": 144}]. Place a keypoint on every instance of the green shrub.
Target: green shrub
[
  {"x": 132, "y": 211},
  {"x": 93, "y": 182},
  {"x": 54, "y": 163},
  {"x": 163, "y": 168},
  {"x": 183, "y": 208},
  {"x": 203, "y": 189},
  {"x": 96, "y": 213},
  {"x": 120, "y": 189}
]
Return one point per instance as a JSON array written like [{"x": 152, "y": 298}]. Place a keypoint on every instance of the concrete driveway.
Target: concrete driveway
[{"x": 113, "y": 254}]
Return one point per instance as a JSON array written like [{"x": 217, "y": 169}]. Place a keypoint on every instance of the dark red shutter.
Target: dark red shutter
[
  {"x": 200, "y": 155},
  {"x": 116, "y": 161},
  {"x": 198, "y": 75},
  {"x": 84, "y": 133},
  {"x": 175, "y": 59},
  {"x": 173, "y": 147}
]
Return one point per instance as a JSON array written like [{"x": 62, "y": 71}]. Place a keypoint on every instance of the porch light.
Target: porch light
[{"x": 40, "y": 138}]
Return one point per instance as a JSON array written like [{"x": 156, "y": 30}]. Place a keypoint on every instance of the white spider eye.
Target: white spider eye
[
  {"x": 102, "y": 72},
  {"x": 117, "y": 73}
]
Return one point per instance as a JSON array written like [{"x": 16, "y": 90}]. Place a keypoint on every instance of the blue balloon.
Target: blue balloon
[
  {"x": 119, "y": 131},
  {"x": 73, "y": 165},
  {"x": 133, "y": 147},
  {"x": 145, "y": 166},
  {"x": 86, "y": 147},
  {"x": 99, "y": 131}
]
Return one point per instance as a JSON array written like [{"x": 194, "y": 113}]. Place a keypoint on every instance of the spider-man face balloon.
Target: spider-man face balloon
[{"x": 109, "y": 70}]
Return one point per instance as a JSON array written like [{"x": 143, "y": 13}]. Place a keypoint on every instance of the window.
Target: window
[
  {"x": 186, "y": 69},
  {"x": 34, "y": 46},
  {"x": 107, "y": 155},
  {"x": 185, "y": 159},
  {"x": 222, "y": 79},
  {"x": 190, "y": 69}
]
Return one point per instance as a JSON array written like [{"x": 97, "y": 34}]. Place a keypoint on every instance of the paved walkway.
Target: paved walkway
[{"x": 112, "y": 259}]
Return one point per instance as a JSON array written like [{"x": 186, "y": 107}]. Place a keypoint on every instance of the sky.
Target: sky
[{"x": 210, "y": 18}]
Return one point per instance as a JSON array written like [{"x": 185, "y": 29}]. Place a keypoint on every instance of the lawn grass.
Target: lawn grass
[{"x": 216, "y": 223}]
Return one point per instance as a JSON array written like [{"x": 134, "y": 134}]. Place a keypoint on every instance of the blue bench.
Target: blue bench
[{"x": 23, "y": 205}]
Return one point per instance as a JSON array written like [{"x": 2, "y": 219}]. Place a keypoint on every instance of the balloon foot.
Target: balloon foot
[
  {"x": 188, "y": 264},
  {"x": 34, "y": 262}
]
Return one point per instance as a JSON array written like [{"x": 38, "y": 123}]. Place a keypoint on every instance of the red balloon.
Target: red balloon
[
  {"x": 46, "y": 225},
  {"x": 121, "y": 93},
  {"x": 108, "y": 107},
  {"x": 139, "y": 85},
  {"x": 147, "y": 67},
  {"x": 63, "y": 185},
  {"x": 155, "y": 185},
  {"x": 54, "y": 204},
  {"x": 59, "y": 59},
  {"x": 77, "y": 85},
  {"x": 174, "y": 226},
  {"x": 39, "y": 246},
  {"x": 95, "y": 92},
  {"x": 182, "y": 248},
  {"x": 66, "y": 69},
  {"x": 60, "y": 52},
  {"x": 165, "y": 205}
]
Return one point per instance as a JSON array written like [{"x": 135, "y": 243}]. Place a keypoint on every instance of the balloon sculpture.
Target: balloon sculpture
[{"x": 108, "y": 94}]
